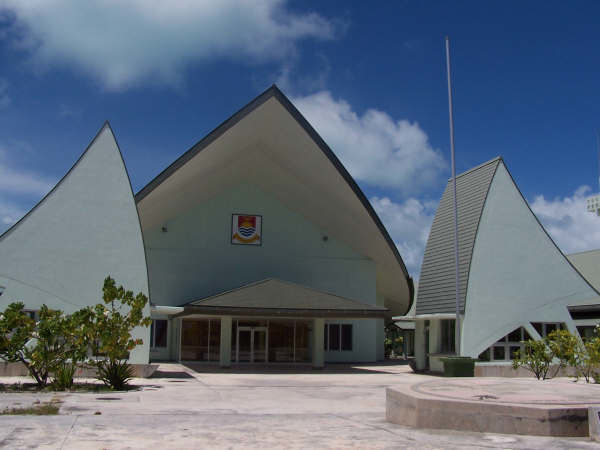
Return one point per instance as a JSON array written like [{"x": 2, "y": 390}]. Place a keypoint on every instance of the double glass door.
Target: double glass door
[{"x": 252, "y": 344}]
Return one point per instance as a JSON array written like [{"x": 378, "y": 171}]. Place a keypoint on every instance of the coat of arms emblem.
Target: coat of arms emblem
[{"x": 246, "y": 229}]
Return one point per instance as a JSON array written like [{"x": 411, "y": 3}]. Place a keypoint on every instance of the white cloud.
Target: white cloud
[
  {"x": 408, "y": 224},
  {"x": 373, "y": 146},
  {"x": 9, "y": 214},
  {"x": 15, "y": 181},
  {"x": 124, "y": 42},
  {"x": 572, "y": 227},
  {"x": 18, "y": 188}
]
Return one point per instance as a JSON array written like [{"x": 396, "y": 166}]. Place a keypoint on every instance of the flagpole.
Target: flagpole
[{"x": 457, "y": 323}]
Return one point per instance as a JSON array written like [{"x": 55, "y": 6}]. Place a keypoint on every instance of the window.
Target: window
[
  {"x": 448, "y": 338},
  {"x": 346, "y": 337},
  {"x": 334, "y": 336},
  {"x": 544, "y": 329},
  {"x": 506, "y": 347},
  {"x": 586, "y": 331},
  {"x": 338, "y": 337},
  {"x": 32, "y": 314},
  {"x": 158, "y": 333}
]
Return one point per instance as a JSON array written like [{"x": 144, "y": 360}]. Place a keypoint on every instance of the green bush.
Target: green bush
[
  {"x": 115, "y": 374},
  {"x": 43, "y": 347},
  {"x": 63, "y": 376},
  {"x": 110, "y": 327},
  {"x": 57, "y": 343},
  {"x": 567, "y": 350},
  {"x": 536, "y": 357}
]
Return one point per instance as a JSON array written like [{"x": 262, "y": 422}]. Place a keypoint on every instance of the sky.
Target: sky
[{"x": 370, "y": 77}]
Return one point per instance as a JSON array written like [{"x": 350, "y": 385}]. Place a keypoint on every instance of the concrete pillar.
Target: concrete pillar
[
  {"x": 318, "y": 354},
  {"x": 225, "y": 349},
  {"x": 420, "y": 350}
]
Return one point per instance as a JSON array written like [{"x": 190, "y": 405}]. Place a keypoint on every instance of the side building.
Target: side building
[
  {"x": 515, "y": 283},
  {"x": 254, "y": 246}
]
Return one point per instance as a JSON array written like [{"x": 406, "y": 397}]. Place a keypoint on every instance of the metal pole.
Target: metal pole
[{"x": 457, "y": 324}]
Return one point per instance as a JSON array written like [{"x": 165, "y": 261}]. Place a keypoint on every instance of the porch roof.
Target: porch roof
[{"x": 273, "y": 297}]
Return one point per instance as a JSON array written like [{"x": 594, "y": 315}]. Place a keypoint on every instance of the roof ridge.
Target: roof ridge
[{"x": 480, "y": 166}]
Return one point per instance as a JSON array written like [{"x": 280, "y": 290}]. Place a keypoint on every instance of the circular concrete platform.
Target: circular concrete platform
[{"x": 557, "y": 407}]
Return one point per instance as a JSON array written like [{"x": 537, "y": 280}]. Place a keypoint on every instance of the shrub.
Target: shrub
[
  {"x": 565, "y": 347},
  {"x": 115, "y": 374},
  {"x": 63, "y": 376},
  {"x": 589, "y": 363},
  {"x": 536, "y": 357},
  {"x": 43, "y": 347},
  {"x": 109, "y": 328}
]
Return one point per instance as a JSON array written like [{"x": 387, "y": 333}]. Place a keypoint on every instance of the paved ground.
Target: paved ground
[{"x": 185, "y": 409}]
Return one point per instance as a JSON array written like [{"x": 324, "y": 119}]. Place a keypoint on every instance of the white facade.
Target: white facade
[
  {"x": 173, "y": 241},
  {"x": 519, "y": 285},
  {"x": 85, "y": 229}
]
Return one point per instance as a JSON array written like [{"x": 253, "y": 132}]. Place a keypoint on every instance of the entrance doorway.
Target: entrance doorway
[{"x": 253, "y": 344}]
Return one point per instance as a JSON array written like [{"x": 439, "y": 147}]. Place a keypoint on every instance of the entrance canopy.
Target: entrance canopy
[{"x": 272, "y": 297}]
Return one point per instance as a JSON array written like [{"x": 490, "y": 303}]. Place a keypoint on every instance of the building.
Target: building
[
  {"x": 587, "y": 317},
  {"x": 256, "y": 245},
  {"x": 515, "y": 283}
]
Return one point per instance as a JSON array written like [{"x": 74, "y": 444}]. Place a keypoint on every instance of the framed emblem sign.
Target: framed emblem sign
[{"x": 246, "y": 229}]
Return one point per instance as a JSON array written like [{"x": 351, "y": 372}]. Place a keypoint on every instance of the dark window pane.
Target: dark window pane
[
  {"x": 498, "y": 353},
  {"x": 214, "y": 339},
  {"x": 448, "y": 339},
  {"x": 334, "y": 336},
  {"x": 513, "y": 349},
  {"x": 326, "y": 337},
  {"x": 160, "y": 333},
  {"x": 550, "y": 327},
  {"x": 347, "y": 337},
  {"x": 538, "y": 328},
  {"x": 515, "y": 336},
  {"x": 586, "y": 332}
]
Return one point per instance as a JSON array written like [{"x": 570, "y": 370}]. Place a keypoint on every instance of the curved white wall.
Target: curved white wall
[
  {"x": 517, "y": 274},
  {"x": 85, "y": 229}
]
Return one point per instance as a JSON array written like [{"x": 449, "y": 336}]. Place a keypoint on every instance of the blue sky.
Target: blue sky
[{"x": 371, "y": 80}]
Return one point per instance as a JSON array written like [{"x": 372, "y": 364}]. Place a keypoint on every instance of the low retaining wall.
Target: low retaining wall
[
  {"x": 413, "y": 409},
  {"x": 506, "y": 371},
  {"x": 19, "y": 370}
]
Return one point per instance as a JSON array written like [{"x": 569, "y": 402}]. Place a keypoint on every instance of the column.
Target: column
[
  {"x": 225, "y": 347},
  {"x": 318, "y": 354},
  {"x": 420, "y": 350}
]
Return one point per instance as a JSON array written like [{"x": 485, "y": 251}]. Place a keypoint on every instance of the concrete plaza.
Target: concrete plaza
[{"x": 338, "y": 407}]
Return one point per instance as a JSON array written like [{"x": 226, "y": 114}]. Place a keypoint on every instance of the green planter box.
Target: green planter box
[{"x": 459, "y": 366}]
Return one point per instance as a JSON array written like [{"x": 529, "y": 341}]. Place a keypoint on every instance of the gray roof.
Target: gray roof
[
  {"x": 437, "y": 290},
  {"x": 277, "y": 297}
]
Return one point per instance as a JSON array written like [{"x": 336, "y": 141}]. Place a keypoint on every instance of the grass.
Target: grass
[{"x": 42, "y": 409}]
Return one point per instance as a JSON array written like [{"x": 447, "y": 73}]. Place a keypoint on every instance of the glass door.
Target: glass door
[
  {"x": 244, "y": 344},
  {"x": 259, "y": 345},
  {"x": 252, "y": 344}
]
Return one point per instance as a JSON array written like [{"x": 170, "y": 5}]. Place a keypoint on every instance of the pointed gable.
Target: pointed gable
[
  {"x": 268, "y": 144},
  {"x": 518, "y": 275},
  {"x": 86, "y": 228}
]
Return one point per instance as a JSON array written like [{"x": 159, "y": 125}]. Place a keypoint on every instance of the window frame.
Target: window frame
[
  {"x": 153, "y": 334},
  {"x": 340, "y": 334}
]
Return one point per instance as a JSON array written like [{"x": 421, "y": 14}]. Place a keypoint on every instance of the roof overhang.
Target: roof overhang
[
  {"x": 269, "y": 144},
  {"x": 274, "y": 297}
]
